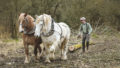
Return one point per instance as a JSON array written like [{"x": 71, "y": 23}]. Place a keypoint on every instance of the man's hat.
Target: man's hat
[{"x": 82, "y": 18}]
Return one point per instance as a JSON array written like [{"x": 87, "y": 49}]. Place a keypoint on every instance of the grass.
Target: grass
[
  {"x": 95, "y": 35},
  {"x": 10, "y": 40}
]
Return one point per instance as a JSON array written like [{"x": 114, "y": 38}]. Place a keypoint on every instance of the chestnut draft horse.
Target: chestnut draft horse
[{"x": 27, "y": 27}]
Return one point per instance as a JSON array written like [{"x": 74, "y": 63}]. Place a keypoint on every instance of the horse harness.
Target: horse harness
[
  {"x": 25, "y": 29},
  {"x": 51, "y": 32},
  {"x": 61, "y": 31}
]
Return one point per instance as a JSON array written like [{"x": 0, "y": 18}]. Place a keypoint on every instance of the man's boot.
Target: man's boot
[
  {"x": 83, "y": 46},
  {"x": 87, "y": 43}
]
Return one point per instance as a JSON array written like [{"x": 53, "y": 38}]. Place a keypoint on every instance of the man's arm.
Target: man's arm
[
  {"x": 80, "y": 31},
  {"x": 90, "y": 29}
]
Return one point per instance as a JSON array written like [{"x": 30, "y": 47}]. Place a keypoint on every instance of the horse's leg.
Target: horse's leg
[
  {"x": 35, "y": 51},
  {"x": 40, "y": 48},
  {"x": 64, "y": 50},
  {"x": 26, "y": 53},
  {"x": 52, "y": 50},
  {"x": 52, "y": 56},
  {"x": 47, "y": 51}
]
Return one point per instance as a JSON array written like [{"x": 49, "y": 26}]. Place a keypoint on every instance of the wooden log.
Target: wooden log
[{"x": 77, "y": 46}]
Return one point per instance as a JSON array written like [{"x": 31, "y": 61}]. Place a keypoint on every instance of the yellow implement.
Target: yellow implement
[{"x": 77, "y": 46}]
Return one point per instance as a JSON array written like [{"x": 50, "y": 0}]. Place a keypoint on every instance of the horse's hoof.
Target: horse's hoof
[
  {"x": 64, "y": 58},
  {"x": 47, "y": 61},
  {"x": 26, "y": 62}
]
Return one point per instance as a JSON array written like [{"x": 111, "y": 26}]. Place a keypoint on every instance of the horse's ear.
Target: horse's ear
[
  {"x": 36, "y": 16},
  {"x": 19, "y": 14},
  {"x": 25, "y": 15}
]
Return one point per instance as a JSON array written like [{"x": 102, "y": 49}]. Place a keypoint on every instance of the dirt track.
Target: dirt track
[{"x": 104, "y": 54}]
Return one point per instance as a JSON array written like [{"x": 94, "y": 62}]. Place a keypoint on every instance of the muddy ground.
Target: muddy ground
[{"x": 104, "y": 54}]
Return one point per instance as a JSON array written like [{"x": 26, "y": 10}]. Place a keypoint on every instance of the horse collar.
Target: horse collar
[
  {"x": 51, "y": 31},
  {"x": 30, "y": 32}
]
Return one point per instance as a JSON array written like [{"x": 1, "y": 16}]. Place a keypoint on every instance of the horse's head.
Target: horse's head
[
  {"x": 43, "y": 24},
  {"x": 25, "y": 22}
]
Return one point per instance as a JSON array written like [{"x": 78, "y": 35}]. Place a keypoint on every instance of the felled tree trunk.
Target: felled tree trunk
[{"x": 77, "y": 46}]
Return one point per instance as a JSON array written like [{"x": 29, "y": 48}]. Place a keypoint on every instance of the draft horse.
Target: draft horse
[
  {"x": 53, "y": 35},
  {"x": 27, "y": 28}
]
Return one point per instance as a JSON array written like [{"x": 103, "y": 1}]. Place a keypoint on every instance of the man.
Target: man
[{"x": 85, "y": 31}]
